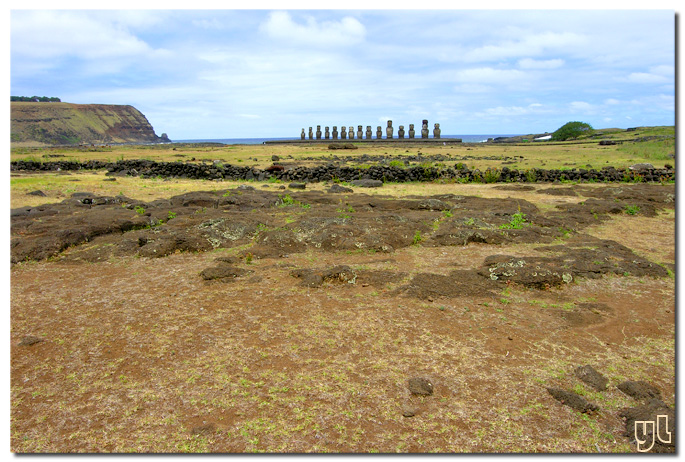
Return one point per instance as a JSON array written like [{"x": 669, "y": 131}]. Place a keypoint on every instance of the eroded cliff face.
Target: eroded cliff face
[{"x": 66, "y": 123}]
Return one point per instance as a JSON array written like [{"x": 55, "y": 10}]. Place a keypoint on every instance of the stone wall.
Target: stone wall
[{"x": 218, "y": 171}]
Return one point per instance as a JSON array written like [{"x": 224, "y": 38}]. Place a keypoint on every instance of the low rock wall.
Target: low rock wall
[{"x": 149, "y": 168}]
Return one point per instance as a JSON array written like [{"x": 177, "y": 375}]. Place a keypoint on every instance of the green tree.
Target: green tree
[{"x": 571, "y": 130}]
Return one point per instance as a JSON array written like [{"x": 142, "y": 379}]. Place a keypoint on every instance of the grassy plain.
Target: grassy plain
[{"x": 657, "y": 147}]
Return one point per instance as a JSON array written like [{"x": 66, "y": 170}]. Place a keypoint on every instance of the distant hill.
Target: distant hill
[{"x": 65, "y": 123}]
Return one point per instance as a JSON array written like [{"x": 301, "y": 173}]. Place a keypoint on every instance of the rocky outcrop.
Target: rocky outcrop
[{"x": 72, "y": 124}]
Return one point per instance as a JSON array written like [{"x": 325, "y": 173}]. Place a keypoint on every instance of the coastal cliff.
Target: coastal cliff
[{"x": 65, "y": 123}]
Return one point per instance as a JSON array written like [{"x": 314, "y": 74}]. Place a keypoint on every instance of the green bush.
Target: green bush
[{"x": 572, "y": 130}]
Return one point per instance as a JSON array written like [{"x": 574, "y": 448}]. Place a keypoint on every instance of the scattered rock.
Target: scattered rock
[
  {"x": 204, "y": 430},
  {"x": 641, "y": 167},
  {"x": 316, "y": 277},
  {"x": 367, "y": 183},
  {"x": 639, "y": 389},
  {"x": 589, "y": 375},
  {"x": 408, "y": 411},
  {"x": 572, "y": 400},
  {"x": 336, "y": 188},
  {"x": 420, "y": 386},
  {"x": 297, "y": 185},
  {"x": 223, "y": 271},
  {"x": 30, "y": 340},
  {"x": 37, "y": 192},
  {"x": 275, "y": 158}
]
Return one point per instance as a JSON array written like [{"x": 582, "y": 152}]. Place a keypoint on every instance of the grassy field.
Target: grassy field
[
  {"x": 658, "y": 147},
  {"x": 141, "y": 355}
]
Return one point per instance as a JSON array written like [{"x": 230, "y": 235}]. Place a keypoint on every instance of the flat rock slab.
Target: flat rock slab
[
  {"x": 589, "y": 375},
  {"x": 223, "y": 271},
  {"x": 573, "y": 400},
  {"x": 639, "y": 389}
]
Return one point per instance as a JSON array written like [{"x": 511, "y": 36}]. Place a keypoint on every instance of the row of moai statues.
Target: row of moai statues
[{"x": 345, "y": 134}]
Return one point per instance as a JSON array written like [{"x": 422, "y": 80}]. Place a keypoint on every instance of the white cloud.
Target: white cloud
[
  {"x": 345, "y": 32},
  {"x": 581, "y": 106},
  {"x": 530, "y": 45},
  {"x": 488, "y": 75},
  {"x": 645, "y": 77},
  {"x": 48, "y": 34},
  {"x": 529, "y": 63}
]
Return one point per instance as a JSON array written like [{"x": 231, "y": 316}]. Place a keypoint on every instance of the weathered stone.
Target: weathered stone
[
  {"x": 424, "y": 129},
  {"x": 379, "y": 132},
  {"x": 302, "y": 135},
  {"x": 412, "y": 132},
  {"x": 297, "y": 186},
  {"x": 389, "y": 130},
  {"x": 589, "y": 375},
  {"x": 420, "y": 386},
  {"x": 367, "y": 183},
  {"x": 639, "y": 389},
  {"x": 400, "y": 132},
  {"x": 30, "y": 340},
  {"x": 573, "y": 400},
  {"x": 436, "y": 131},
  {"x": 335, "y": 132},
  {"x": 336, "y": 188},
  {"x": 368, "y": 132},
  {"x": 351, "y": 133},
  {"x": 318, "y": 132}
]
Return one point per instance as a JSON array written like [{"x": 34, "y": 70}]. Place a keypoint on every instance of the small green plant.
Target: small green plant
[
  {"x": 491, "y": 175},
  {"x": 171, "y": 215},
  {"x": 447, "y": 213},
  {"x": 139, "y": 210},
  {"x": 396, "y": 164},
  {"x": 286, "y": 200},
  {"x": 470, "y": 222},
  {"x": 248, "y": 258},
  {"x": 417, "y": 238},
  {"x": 632, "y": 209},
  {"x": 518, "y": 220}
]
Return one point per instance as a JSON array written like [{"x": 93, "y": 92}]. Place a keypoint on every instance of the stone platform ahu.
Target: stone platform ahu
[{"x": 368, "y": 134}]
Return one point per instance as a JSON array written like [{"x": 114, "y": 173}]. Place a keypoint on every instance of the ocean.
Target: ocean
[{"x": 464, "y": 138}]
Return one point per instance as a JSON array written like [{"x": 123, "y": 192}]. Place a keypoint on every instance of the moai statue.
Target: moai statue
[
  {"x": 436, "y": 131},
  {"x": 351, "y": 133},
  {"x": 318, "y": 132},
  {"x": 379, "y": 132},
  {"x": 302, "y": 135},
  {"x": 360, "y": 133},
  {"x": 327, "y": 133},
  {"x": 311, "y": 133},
  {"x": 368, "y": 132},
  {"x": 343, "y": 132},
  {"x": 400, "y": 132},
  {"x": 411, "y": 131},
  {"x": 335, "y": 132},
  {"x": 424, "y": 129},
  {"x": 388, "y": 130}
]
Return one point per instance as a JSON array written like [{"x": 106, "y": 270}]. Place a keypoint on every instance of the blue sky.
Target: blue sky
[{"x": 199, "y": 74}]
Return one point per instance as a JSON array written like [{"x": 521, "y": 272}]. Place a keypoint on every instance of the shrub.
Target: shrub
[{"x": 571, "y": 130}]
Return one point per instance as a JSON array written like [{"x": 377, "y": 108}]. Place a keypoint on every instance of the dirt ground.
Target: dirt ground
[{"x": 256, "y": 318}]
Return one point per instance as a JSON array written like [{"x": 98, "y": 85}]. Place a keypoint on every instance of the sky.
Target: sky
[{"x": 213, "y": 74}]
